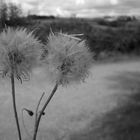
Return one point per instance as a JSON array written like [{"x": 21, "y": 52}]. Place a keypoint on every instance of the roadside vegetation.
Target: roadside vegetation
[{"x": 106, "y": 38}]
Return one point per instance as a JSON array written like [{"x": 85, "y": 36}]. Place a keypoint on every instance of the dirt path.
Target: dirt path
[{"x": 72, "y": 108}]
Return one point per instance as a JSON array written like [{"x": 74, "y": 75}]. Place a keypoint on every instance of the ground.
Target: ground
[{"x": 96, "y": 109}]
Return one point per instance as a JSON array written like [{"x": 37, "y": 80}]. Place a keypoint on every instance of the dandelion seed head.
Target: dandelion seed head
[
  {"x": 68, "y": 59},
  {"x": 19, "y": 52}
]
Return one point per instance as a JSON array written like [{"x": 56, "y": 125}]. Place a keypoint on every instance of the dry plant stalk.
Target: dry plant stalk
[
  {"x": 68, "y": 60},
  {"x": 19, "y": 53}
]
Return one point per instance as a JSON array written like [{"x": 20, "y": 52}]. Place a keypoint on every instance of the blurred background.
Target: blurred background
[{"x": 111, "y": 27}]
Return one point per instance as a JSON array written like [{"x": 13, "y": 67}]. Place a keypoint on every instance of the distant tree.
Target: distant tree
[
  {"x": 15, "y": 12},
  {"x": 40, "y": 17},
  {"x": 10, "y": 14},
  {"x": 3, "y": 13}
]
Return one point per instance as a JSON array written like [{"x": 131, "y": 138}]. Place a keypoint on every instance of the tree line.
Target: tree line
[{"x": 9, "y": 13}]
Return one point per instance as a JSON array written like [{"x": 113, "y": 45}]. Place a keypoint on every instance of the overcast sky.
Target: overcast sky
[{"x": 82, "y": 8}]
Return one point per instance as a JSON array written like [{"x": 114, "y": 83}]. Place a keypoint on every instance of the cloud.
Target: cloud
[
  {"x": 114, "y": 2},
  {"x": 80, "y": 7},
  {"x": 90, "y": 4},
  {"x": 32, "y": 2},
  {"x": 88, "y": 13},
  {"x": 131, "y": 3}
]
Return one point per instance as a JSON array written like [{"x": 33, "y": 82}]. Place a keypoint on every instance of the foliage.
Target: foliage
[
  {"x": 70, "y": 26},
  {"x": 38, "y": 17},
  {"x": 120, "y": 36},
  {"x": 14, "y": 11},
  {"x": 10, "y": 14},
  {"x": 3, "y": 13},
  {"x": 100, "y": 38}
]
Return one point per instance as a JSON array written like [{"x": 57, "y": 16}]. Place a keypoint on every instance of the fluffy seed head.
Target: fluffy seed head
[
  {"x": 19, "y": 52},
  {"x": 68, "y": 58}
]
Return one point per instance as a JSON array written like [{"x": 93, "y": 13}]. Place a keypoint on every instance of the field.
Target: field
[
  {"x": 105, "y": 107},
  {"x": 105, "y": 38}
]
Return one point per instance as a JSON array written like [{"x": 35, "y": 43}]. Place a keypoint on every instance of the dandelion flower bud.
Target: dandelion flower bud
[{"x": 29, "y": 111}]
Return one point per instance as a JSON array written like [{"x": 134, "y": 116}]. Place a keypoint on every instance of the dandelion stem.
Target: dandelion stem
[
  {"x": 42, "y": 110},
  {"x": 14, "y": 105},
  {"x": 36, "y": 113}
]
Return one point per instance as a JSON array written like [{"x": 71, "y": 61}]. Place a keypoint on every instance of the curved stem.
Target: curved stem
[
  {"x": 42, "y": 110},
  {"x": 36, "y": 112},
  {"x": 14, "y": 105},
  {"x": 26, "y": 130}
]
